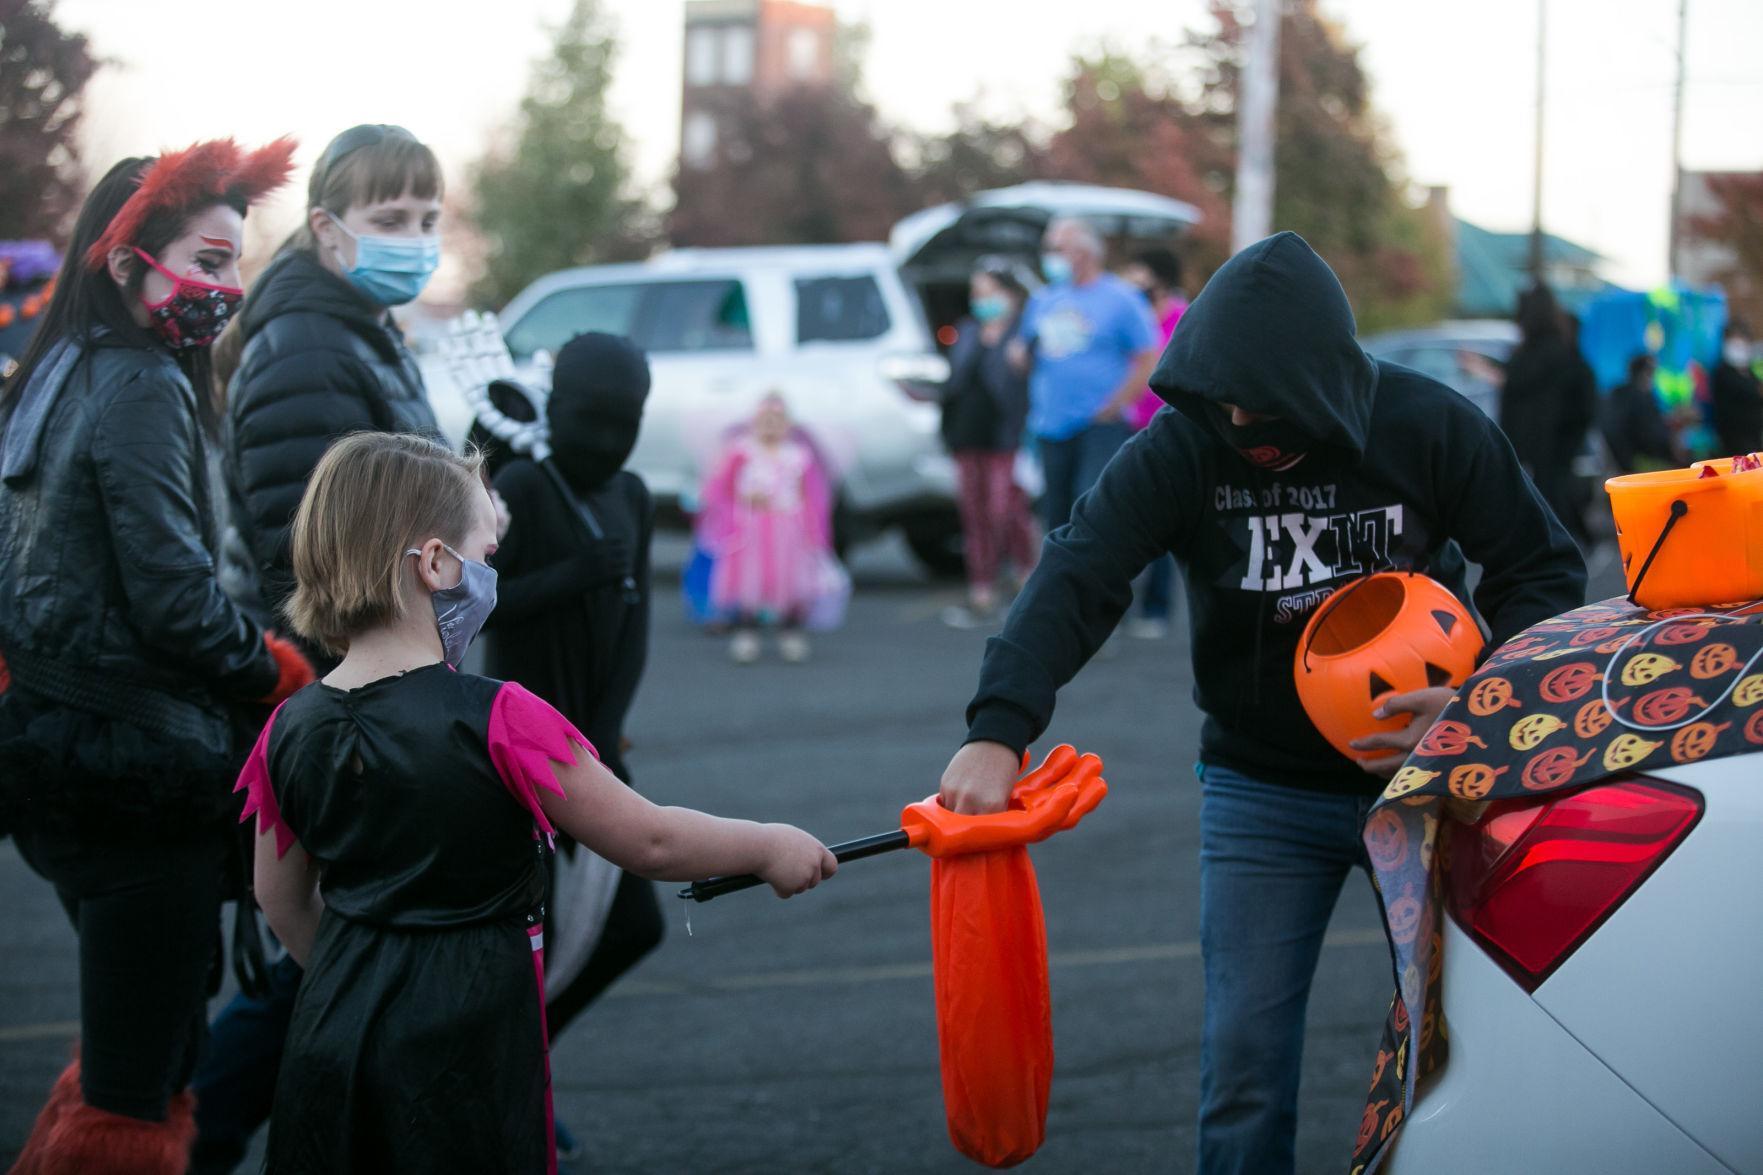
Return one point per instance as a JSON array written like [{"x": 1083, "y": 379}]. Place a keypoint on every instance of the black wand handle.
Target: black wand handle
[{"x": 851, "y": 850}]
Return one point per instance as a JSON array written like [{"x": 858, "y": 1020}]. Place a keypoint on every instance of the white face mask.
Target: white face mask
[{"x": 1737, "y": 352}]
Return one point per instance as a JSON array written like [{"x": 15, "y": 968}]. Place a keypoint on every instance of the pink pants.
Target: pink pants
[{"x": 996, "y": 523}]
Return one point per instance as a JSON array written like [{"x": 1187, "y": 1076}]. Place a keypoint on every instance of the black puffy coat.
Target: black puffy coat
[
  {"x": 124, "y": 651},
  {"x": 320, "y": 361}
]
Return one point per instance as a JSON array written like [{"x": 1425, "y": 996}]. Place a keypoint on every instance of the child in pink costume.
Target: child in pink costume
[{"x": 767, "y": 523}]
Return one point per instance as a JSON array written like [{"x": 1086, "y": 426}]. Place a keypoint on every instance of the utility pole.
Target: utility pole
[
  {"x": 1683, "y": 12},
  {"x": 1251, "y": 213},
  {"x": 1536, "y": 190}
]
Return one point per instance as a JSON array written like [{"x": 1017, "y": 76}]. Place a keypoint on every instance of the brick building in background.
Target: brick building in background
[{"x": 736, "y": 48}]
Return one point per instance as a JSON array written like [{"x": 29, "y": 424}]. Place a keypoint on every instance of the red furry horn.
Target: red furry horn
[{"x": 215, "y": 170}]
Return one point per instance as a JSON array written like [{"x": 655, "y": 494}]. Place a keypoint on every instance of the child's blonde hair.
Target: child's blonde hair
[{"x": 373, "y": 496}]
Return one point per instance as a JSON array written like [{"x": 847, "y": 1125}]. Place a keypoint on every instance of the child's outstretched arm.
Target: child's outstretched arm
[
  {"x": 287, "y": 889},
  {"x": 679, "y": 844}
]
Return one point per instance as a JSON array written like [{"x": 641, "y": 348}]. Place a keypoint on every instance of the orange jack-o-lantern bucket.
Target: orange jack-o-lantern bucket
[
  {"x": 1690, "y": 537},
  {"x": 1388, "y": 633}
]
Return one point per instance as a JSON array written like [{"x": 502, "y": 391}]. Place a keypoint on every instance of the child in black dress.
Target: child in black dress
[{"x": 404, "y": 813}]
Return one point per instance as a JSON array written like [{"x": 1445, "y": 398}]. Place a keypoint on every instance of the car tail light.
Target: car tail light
[
  {"x": 1530, "y": 880},
  {"x": 920, "y": 377}
]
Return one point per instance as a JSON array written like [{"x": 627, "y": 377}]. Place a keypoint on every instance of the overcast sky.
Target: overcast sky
[{"x": 1454, "y": 80}]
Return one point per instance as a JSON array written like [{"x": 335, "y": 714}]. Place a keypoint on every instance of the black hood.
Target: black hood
[
  {"x": 596, "y": 406},
  {"x": 296, "y": 283},
  {"x": 1272, "y": 333}
]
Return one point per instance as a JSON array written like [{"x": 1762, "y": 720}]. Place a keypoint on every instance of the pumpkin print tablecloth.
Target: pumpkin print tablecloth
[{"x": 1605, "y": 689}]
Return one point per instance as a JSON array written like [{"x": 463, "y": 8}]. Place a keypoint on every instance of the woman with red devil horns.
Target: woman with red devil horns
[{"x": 125, "y": 657}]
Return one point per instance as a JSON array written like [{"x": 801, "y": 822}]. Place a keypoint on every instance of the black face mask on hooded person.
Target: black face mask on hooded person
[
  {"x": 596, "y": 405},
  {"x": 1272, "y": 444}
]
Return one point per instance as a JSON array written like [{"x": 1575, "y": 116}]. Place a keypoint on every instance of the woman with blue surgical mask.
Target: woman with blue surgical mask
[
  {"x": 322, "y": 355},
  {"x": 321, "y": 358}
]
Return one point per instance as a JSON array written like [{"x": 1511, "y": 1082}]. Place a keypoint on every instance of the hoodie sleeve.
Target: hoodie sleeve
[
  {"x": 1144, "y": 505},
  {"x": 1531, "y": 567}
]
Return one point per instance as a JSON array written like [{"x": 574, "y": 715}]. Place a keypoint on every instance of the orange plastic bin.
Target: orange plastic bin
[{"x": 1688, "y": 539}]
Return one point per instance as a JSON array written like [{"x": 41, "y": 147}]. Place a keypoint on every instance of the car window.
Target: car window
[
  {"x": 839, "y": 309},
  {"x": 709, "y": 315},
  {"x": 561, "y": 316}
]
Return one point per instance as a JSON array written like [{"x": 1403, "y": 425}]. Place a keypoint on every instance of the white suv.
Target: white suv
[{"x": 831, "y": 327}]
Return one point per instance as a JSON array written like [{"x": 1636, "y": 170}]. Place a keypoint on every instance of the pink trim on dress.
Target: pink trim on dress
[
  {"x": 537, "y": 937},
  {"x": 260, "y": 798},
  {"x": 526, "y": 736}
]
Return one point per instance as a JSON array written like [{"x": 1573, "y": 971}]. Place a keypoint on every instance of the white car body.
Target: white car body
[
  {"x": 723, "y": 327},
  {"x": 1643, "y": 1051}
]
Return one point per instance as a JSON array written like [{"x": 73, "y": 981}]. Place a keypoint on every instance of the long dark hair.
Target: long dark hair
[{"x": 87, "y": 299}]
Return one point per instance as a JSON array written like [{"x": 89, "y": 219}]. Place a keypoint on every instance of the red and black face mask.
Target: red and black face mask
[
  {"x": 194, "y": 313},
  {"x": 1271, "y": 444}
]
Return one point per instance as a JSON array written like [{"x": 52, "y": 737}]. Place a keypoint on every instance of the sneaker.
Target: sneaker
[
  {"x": 793, "y": 647},
  {"x": 1147, "y": 628},
  {"x": 965, "y": 616},
  {"x": 744, "y": 648}
]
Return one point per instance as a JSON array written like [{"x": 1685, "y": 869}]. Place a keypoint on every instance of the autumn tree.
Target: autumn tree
[
  {"x": 978, "y": 154},
  {"x": 1337, "y": 180},
  {"x": 43, "y": 74},
  {"x": 558, "y": 195},
  {"x": 1737, "y": 226},
  {"x": 1129, "y": 127}
]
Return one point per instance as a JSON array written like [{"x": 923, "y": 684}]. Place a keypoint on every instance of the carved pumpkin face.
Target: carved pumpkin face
[
  {"x": 1713, "y": 660},
  {"x": 1404, "y": 918},
  {"x": 1368, "y": 1124},
  {"x": 1696, "y": 740},
  {"x": 1447, "y": 738},
  {"x": 1394, "y": 632},
  {"x": 1528, "y": 732},
  {"x": 1472, "y": 781},
  {"x": 1408, "y": 779},
  {"x": 1749, "y": 691},
  {"x": 1386, "y": 840},
  {"x": 1680, "y": 634},
  {"x": 1591, "y": 636},
  {"x": 1592, "y": 720},
  {"x": 1491, "y": 695},
  {"x": 1647, "y": 667},
  {"x": 1399, "y": 1020},
  {"x": 1570, "y": 682},
  {"x": 1552, "y": 768},
  {"x": 1664, "y": 706},
  {"x": 1627, "y": 750},
  {"x": 1754, "y": 728}
]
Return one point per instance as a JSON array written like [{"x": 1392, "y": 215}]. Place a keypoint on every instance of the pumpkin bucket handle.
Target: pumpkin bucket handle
[{"x": 1679, "y": 508}]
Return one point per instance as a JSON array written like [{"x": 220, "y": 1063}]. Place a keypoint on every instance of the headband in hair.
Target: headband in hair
[{"x": 204, "y": 173}]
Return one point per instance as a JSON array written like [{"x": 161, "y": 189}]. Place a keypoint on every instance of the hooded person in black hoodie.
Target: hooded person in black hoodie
[
  {"x": 572, "y": 612},
  {"x": 1293, "y": 464}
]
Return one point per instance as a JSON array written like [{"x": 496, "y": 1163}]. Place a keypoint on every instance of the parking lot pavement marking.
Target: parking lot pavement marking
[{"x": 50, "y": 1030}]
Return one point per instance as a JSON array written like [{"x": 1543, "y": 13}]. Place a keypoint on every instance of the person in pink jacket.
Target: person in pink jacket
[
  {"x": 768, "y": 524},
  {"x": 1157, "y": 272}
]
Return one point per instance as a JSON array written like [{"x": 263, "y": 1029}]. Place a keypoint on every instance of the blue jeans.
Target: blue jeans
[
  {"x": 1071, "y": 467},
  {"x": 235, "y": 1082},
  {"x": 1272, "y": 862}
]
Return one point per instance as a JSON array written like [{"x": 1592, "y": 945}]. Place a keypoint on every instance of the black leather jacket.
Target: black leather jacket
[
  {"x": 320, "y": 361},
  {"x": 109, "y": 603}
]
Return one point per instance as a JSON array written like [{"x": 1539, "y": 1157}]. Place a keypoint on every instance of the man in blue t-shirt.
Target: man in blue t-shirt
[{"x": 1089, "y": 344}]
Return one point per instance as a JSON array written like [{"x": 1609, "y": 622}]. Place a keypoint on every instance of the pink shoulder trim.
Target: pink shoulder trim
[
  {"x": 526, "y": 736},
  {"x": 260, "y": 798}
]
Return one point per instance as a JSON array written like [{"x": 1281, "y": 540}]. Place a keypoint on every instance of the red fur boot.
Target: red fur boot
[
  {"x": 64, "y": 1096},
  {"x": 85, "y": 1140}
]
